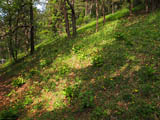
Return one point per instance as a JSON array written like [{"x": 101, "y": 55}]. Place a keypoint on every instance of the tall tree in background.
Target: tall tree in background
[
  {"x": 66, "y": 18},
  {"x": 130, "y": 6},
  {"x": 86, "y": 7},
  {"x": 31, "y": 27},
  {"x": 147, "y": 5},
  {"x": 97, "y": 15},
  {"x": 103, "y": 11},
  {"x": 73, "y": 17},
  {"x": 113, "y": 7}
]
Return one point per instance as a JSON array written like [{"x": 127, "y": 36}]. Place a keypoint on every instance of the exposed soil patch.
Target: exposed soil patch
[{"x": 5, "y": 88}]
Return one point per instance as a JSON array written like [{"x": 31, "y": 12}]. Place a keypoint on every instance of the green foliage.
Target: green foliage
[
  {"x": 119, "y": 14},
  {"x": 109, "y": 83},
  {"x": 119, "y": 36},
  {"x": 11, "y": 93},
  {"x": 147, "y": 74},
  {"x": 127, "y": 97},
  {"x": 76, "y": 49},
  {"x": 146, "y": 90},
  {"x": 12, "y": 112},
  {"x": 98, "y": 113},
  {"x": 50, "y": 86},
  {"x": 119, "y": 111},
  {"x": 112, "y": 82},
  {"x": 18, "y": 82},
  {"x": 86, "y": 19},
  {"x": 116, "y": 97},
  {"x": 86, "y": 99},
  {"x": 63, "y": 70},
  {"x": 138, "y": 8},
  {"x": 28, "y": 100},
  {"x": 129, "y": 43},
  {"x": 44, "y": 63},
  {"x": 45, "y": 78},
  {"x": 83, "y": 20},
  {"x": 145, "y": 111},
  {"x": 33, "y": 72},
  {"x": 72, "y": 92},
  {"x": 80, "y": 20},
  {"x": 38, "y": 106},
  {"x": 97, "y": 61}
]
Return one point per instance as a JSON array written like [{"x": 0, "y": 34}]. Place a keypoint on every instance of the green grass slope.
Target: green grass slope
[{"x": 109, "y": 75}]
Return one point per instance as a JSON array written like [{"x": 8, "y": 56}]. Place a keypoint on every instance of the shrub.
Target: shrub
[
  {"x": 44, "y": 63},
  {"x": 97, "y": 113},
  {"x": 119, "y": 36},
  {"x": 18, "y": 82},
  {"x": 97, "y": 61},
  {"x": 28, "y": 100},
  {"x": 44, "y": 78},
  {"x": 76, "y": 49},
  {"x": 38, "y": 106},
  {"x": 12, "y": 112},
  {"x": 109, "y": 83},
  {"x": 63, "y": 70},
  {"x": 50, "y": 87},
  {"x": 80, "y": 20},
  {"x": 147, "y": 73},
  {"x": 86, "y": 19},
  {"x": 86, "y": 99},
  {"x": 72, "y": 92},
  {"x": 129, "y": 43},
  {"x": 33, "y": 72},
  {"x": 127, "y": 97},
  {"x": 146, "y": 90},
  {"x": 145, "y": 111}
]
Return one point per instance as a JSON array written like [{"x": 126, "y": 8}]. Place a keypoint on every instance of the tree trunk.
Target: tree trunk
[
  {"x": 97, "y": 15},
  {"x": 66, "y": 19},
  {"x": 104, "y": 18},
  {"x": 10, "y": 43},
  {"x": 32, "y": 28},
  {"x": 86, "y": 9},
  {"x": 153, "y": 5},
  {"x": 91, "y": 6},
  {"x": 130, "y": 6},
  {"x": 73, "y": 17},
  {"x": 112, "y": 7},
  {"x": 147, "y": 7}
]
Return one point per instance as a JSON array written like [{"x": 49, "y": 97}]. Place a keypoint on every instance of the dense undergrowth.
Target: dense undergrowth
[{"x": 109, "y": 75}]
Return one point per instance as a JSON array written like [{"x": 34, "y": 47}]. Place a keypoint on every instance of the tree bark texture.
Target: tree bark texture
[
  {"x": 32, "y": 28},
  {"x": 97, "y": 14}
]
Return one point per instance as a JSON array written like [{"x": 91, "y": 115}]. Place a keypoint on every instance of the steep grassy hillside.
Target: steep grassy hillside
[{"x": 109, "y": 75}]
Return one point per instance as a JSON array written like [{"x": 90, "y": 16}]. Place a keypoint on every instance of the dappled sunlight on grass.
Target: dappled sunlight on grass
[{"x": 95, "y": 74}]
